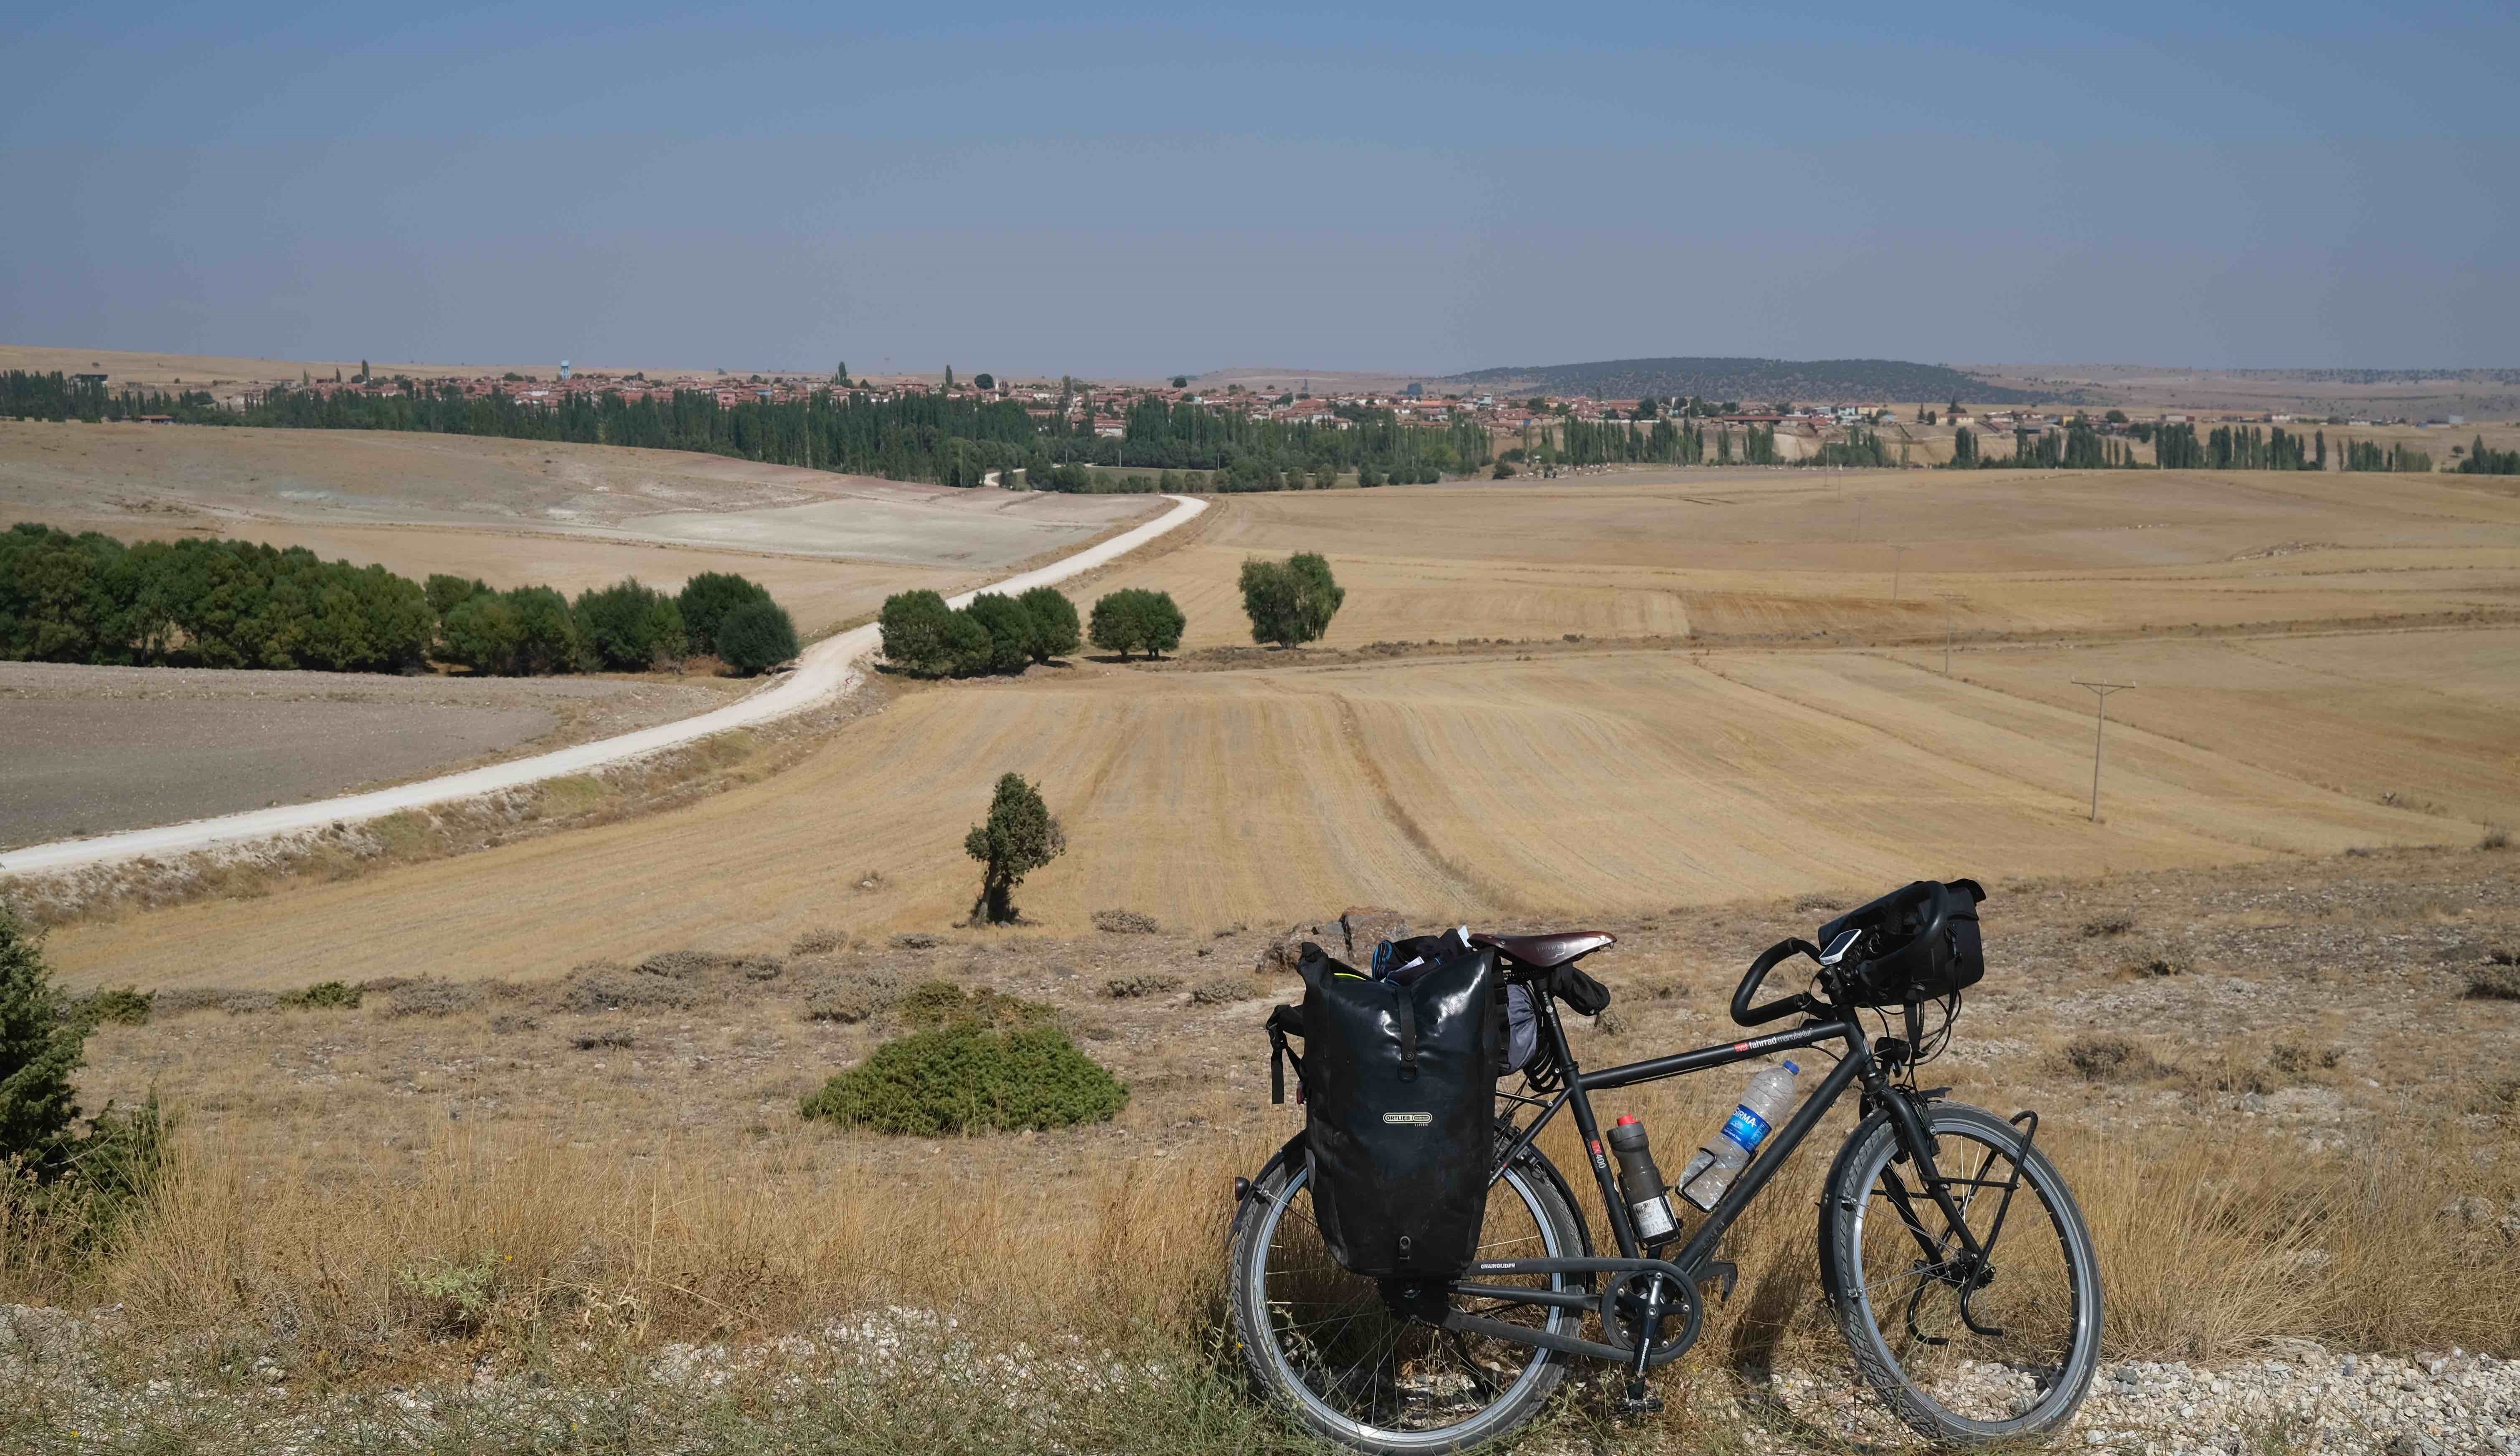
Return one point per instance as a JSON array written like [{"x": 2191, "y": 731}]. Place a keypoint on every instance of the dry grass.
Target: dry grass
[{"x": 520, "y": 1252}]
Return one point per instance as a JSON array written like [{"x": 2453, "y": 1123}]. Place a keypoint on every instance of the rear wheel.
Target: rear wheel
[
  {"x": 1965, "y": 1350},
  {"x": 1326, "y": 1348}
]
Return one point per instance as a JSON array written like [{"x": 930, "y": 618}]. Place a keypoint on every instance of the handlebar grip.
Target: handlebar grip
[{"x": 1743, "y": 1013}]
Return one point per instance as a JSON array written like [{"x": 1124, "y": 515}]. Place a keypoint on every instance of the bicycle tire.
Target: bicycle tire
[
  {"x": 1274, "y": 1197},
  {"x": 1895, "y": 1361}
]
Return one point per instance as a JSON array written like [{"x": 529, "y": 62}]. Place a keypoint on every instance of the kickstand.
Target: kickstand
[{"x": 1724, "y": 1274}]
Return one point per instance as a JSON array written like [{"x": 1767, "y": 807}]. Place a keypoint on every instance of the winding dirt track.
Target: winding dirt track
[{"x": 827, "y": 669}]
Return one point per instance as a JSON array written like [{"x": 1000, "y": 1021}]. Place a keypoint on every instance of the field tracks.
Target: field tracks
[{"x": 825, "y": 670}]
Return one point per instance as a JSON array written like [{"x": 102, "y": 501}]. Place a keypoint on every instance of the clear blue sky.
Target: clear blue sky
[{"x": 1128, "y": 190}]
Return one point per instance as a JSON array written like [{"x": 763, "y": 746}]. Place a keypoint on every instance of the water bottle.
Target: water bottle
[
  {"x": 1640, "y": 1182},
  {"x": 1737, "y": 1142}
]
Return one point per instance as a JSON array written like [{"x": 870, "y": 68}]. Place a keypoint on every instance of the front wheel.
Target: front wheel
[
  {"x": 1965, "y": 1349},
  {"x": 1324, "y": 1345}
]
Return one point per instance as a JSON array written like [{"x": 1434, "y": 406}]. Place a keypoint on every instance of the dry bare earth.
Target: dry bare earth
[
  {"x": 522, "y": 512},
  {"x": 93, "y": 750}
]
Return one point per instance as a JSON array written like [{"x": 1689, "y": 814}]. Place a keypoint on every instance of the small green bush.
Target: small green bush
[
  {"x": 324, "y": 995},
  {"x": 963, "y": 1078},
  {"x": 128, "y": 1006}
]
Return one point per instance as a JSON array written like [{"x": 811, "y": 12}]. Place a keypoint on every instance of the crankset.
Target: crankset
[{"x": 1620, "y": 1303}]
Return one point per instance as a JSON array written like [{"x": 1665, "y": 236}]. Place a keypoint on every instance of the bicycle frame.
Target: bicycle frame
[{"x": 1693, "y": 1262}]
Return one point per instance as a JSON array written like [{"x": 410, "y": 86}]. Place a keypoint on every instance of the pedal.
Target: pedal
[
  {"x": 1638, "y": 1402},
  {"x": 1723, "y": 1274}
]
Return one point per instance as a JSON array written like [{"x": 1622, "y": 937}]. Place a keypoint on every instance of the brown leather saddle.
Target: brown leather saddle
[{"x": 1542, "y": 952}]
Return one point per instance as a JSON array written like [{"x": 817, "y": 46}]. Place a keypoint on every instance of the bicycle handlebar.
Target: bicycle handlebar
[{"x": 1747, "y": 1014}]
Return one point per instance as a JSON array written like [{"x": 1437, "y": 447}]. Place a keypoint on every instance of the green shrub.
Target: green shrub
[
  {"x": 706, "y": 599},
  {"x": 1055, "y": 631},
  {"x": 755, "y": 637},
  {"x": 963, "y": 1078},
  {"x": 324, "y": 995},
  {"x": 39, "y": 1049},
  {"x": 128, "y": 1006},
  {"x": 1143, "y": 983},
  {"x": 1010, "y": 628},
  {"x": 629, "y": 627},
  {"x": 917, "y": 631}
]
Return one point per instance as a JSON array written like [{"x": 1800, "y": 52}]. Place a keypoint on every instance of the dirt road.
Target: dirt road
[{"x": 827, "y": 669}]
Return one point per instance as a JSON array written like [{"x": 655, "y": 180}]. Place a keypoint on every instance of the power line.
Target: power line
[{"x": 2100, "y": 692}]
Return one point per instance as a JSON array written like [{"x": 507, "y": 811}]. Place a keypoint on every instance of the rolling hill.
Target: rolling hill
[{"x": 1760, "y": 379}]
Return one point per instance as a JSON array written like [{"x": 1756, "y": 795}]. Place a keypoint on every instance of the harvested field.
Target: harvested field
[
  {"x": 1785, "y": 554},
  {"x": 1612, "y": 780},
  {"x": 93, "y": 750}
]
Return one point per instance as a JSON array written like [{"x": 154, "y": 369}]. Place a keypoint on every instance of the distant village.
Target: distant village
[{"x": 1108, "y": 405}]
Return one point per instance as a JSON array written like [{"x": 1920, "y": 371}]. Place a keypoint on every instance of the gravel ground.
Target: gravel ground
[
  {"x": 93, "y": 750},
  {"x": 2315, "y": 1400},
  {"x": 2312, "y": 1401}
]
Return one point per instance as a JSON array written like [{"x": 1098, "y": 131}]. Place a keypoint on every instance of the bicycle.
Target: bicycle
[{"x": 1962, "y": 1347}]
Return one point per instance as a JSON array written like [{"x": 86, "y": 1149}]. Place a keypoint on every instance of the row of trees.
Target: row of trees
[
  {"x": 90, "y": 598},
  {"x": 996, "y": 633},
  {"x": 954, "y": 441},
  {"x": 2484, "y": 461},
  {"x": 2365, "y": 455}
]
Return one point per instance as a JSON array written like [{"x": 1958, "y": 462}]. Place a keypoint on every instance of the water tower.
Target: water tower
[{"x": 564, "y": 371}]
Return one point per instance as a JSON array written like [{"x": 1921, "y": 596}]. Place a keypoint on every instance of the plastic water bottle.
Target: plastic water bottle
[{"x": 1770, "y": 1094}]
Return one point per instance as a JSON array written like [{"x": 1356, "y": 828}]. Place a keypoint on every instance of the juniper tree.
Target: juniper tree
[
  {"x": 1020, "y": 837},
  {"x": 39, "y": 1049}
]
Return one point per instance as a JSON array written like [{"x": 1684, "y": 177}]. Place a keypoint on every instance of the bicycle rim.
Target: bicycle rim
[
  {"x": 1965, "y": 1351},
  {"x": 1370, "y": 1378}
]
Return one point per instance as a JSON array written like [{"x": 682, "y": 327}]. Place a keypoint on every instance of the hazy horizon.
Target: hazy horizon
[{"x": 1139, "y": 192}]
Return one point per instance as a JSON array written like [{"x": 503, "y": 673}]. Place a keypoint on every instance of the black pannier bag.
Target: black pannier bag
[
  {"x": 1919, "y": 943},
  {"x": 1400, "y": 1102}
]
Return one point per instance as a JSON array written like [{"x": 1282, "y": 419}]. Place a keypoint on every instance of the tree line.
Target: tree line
[
  {"x": 910, "y": 437},
  {"x": 2482, "y": 459},
  {"x": 90, "y": 598}
]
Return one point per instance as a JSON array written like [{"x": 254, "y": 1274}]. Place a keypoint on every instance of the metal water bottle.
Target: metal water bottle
[{"x": 1640, "y": 1182}]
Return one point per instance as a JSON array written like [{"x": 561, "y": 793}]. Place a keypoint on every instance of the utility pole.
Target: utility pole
[
  {"x": 2100, "y": 692},
  {"x": 1898, "y": 554},
  {"x": 1948, "y": 598}
]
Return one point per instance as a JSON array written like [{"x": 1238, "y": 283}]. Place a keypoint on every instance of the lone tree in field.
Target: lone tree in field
[
  {"x": 1055, "y": 631},
  {"x": 1136, "y": 620},
  {"x": 1020, "y": 837},
  {"x": 39, "y": 1049},
  {"x": 1291, "y": 602}
]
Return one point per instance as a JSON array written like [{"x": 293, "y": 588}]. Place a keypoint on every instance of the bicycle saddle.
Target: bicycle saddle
[{"x": 1541, "y": 952}]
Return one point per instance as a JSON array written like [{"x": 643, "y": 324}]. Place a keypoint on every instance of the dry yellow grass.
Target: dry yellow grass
[{"x": 514, "y": 1251}]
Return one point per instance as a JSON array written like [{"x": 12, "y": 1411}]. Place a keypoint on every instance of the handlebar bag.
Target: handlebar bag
[
  {"x": 1400, "y": 1088},
  {"x": 1919, "y": 943}
]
